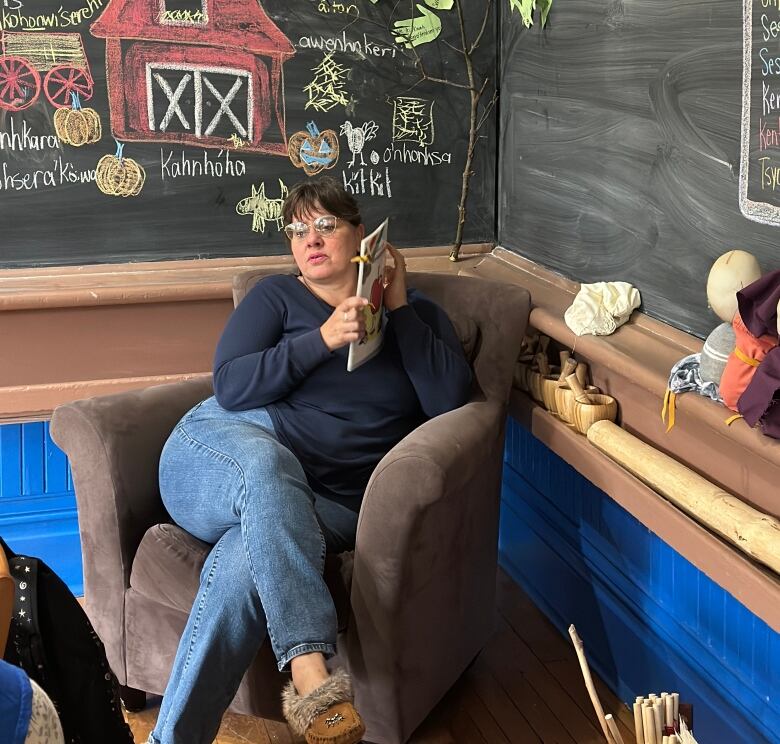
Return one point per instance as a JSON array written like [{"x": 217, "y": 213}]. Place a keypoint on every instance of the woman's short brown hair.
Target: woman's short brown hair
[{"x": 326, "y": 193}]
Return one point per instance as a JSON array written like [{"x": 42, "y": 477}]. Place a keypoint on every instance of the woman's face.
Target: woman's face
[{"x": 325, "y": 257}]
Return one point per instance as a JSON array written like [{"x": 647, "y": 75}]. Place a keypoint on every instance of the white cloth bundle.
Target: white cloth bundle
[{"x": 601, "y": 307}]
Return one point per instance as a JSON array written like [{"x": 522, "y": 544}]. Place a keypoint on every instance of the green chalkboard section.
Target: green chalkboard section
[
  {"x": 620, "y": 146},
  {"x": 219, "y": 106}
]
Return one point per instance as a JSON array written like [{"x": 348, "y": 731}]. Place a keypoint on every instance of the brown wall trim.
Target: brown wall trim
[
  {"x": 36, "y": 402},
  {"x": 74, "y": 332},
  {"x": 163, "y": 281}
]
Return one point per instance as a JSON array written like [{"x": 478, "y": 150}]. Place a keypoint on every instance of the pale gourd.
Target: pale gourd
[{"x": 731, "y": 272}]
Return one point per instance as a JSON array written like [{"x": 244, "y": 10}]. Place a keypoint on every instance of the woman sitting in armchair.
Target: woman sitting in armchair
[{"x": 272, "y": 469}]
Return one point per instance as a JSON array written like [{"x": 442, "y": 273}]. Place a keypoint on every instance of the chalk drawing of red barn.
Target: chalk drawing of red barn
[{"x": 206, "y": 80}]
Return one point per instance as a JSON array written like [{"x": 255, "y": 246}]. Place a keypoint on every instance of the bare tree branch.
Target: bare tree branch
[{"x": 473, "y": 47}]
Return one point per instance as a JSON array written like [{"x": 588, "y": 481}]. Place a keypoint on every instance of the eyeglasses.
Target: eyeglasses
[{"x": 325, "y": 225}]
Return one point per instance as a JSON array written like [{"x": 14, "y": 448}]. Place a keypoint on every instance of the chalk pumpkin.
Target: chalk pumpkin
[
  {"x": 77, "y": 127},
  {"x": 324, "y": 145},
  {"x": 119, "y": 176}
]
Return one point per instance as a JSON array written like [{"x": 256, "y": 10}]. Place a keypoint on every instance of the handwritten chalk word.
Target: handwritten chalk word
[
  {"x": 182, "y": 16},
  {"x": 61, "y": 173},
  {"x": 770, "y": 100},
  {"x": 26, "y": 181},
  {"x": 219, "y": 166},
  {"x": 13, "y": 4},
  {"x": 769, "y": 65},
  {"x": 770, "y": 174},
  {"x": 367, "y": 182},
  {"x": 58, "y": 19},
  {"x": 69, "y": 174},
  {"x": 324, "y": 6},
  {"x": 771, "y": 28},
  {"x": 26, "y": 140},
  {"x": 422, "y": 156},
  {"x": 770, "y": 4},
  {"x": 342, "y": 44},
  {"x": 768, "y": 137}
]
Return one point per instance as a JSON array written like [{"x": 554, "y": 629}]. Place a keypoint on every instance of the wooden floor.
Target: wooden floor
[{"x": 525, "y": 687}]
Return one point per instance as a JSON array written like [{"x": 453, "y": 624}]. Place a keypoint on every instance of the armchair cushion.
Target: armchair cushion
[{"x": 167, "y": 565}]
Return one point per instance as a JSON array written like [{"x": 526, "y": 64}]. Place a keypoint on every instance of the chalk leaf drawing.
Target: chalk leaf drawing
[
  {"x": 25, "y": 56},
  {"x": 357, "y": 137},
  {"x": 262, "y": 208},
  {"x": 199, "y": 81},
  {"x": 526, "y": 9},
  {"x": 420, "y": 29},
  {"x": 312, "y": 150}
]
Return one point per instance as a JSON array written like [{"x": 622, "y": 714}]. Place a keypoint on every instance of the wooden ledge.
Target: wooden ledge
[
  {"x": 77, "y": 332},
  {"x": 633, "y": 365},
  {"x": 163, "y": 281},
  {"x": 747, "y": 581}
]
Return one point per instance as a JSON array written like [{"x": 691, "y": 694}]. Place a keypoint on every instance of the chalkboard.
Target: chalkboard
[
  {"x": 620, "y": 147},
  {"x": 196, "y": 117}
]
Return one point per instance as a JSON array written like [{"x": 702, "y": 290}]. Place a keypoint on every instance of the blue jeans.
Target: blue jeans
[{"x": 226, "y": 478}]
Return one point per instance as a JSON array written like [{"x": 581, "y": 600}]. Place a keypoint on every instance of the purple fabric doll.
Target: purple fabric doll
[{"x": 758, "y": 309}]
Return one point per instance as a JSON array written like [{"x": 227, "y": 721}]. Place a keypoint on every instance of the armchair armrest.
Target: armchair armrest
[
  {"x": 114, "y": 443},
  {"x": 423, "y": 584}
]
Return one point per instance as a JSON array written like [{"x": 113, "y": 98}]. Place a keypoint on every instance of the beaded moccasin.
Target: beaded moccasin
[{"x": 326, "y": 715}]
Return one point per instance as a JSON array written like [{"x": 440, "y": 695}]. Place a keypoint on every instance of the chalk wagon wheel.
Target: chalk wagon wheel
[
  {"x": 20, "y": 83},
  {"x": 61, "y": 81},
  {"x": 60, "y": 58}
]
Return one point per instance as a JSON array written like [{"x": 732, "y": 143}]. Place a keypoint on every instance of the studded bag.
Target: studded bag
[{"x": 52, "y": 640}]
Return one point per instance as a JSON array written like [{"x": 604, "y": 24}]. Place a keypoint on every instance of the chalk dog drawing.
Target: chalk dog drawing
[
  {"x": 357, "y": 138},
  {"x": 25, "y": 55},
  {"x": 199, "y": 82},
  {"x": 262, "y": 208},
  {"x": 312, "y": 150}
]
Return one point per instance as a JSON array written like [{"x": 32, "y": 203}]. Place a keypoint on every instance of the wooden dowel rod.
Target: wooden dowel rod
[
  {"x": 648, "y": 722},
  {"x": 613, "y": 729},
  {"x": 669, "y": 710},
  {"x": 638, "y": 728},
  {"x": 594, "y": 698}
]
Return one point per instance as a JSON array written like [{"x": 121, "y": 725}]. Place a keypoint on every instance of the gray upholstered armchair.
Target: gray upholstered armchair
[{"x": 415, "y": 598}]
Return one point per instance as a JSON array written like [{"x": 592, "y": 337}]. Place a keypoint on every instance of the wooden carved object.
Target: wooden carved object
[{"x": 752, "y": 531}]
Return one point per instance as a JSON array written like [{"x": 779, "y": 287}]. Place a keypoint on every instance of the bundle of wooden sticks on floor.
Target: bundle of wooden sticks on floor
[{"x": 657, "y": 718}]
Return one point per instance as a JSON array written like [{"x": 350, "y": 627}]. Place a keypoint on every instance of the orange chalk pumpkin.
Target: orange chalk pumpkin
[{"x": 77, "y": 127}]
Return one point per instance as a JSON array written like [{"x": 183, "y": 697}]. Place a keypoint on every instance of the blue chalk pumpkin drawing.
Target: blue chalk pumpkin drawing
[{"x": 312, "y": 150}]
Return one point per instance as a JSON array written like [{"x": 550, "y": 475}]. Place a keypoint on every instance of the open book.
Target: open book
[{"x": 370, "y": 284}]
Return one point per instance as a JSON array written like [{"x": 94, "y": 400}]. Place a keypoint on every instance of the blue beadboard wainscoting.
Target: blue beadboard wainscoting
[
  {"x": 37, "y": 503},
  {"x": 650, "y": 620}
]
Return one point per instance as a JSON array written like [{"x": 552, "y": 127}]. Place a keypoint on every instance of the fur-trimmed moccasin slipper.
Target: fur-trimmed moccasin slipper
[{"x": 326, "y": 715}]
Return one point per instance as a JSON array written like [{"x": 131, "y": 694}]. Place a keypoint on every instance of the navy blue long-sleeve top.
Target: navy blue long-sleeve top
[{"x": 339, "y": 424}]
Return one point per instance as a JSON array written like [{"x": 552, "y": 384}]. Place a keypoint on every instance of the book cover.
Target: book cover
[{"x": 370, "y": 284}]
